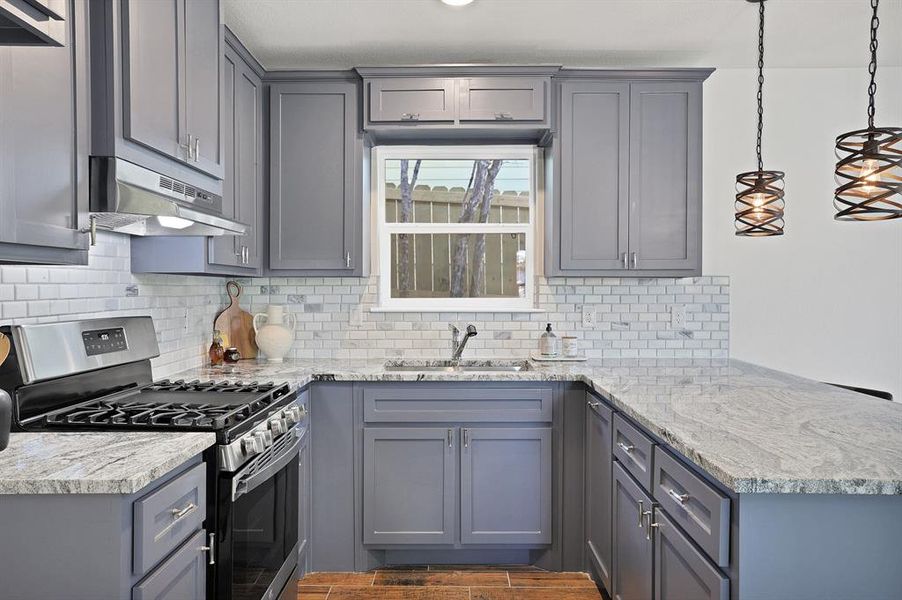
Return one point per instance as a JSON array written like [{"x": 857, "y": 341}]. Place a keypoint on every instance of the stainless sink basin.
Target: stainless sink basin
[{"x": 464, "y": 366}]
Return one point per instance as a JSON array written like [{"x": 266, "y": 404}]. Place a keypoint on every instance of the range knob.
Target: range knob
[
  {"x": 277, "y": 427},
  {"x": 292, "y": 415},
  {"x": 263, "y": 438},
  {"x": 250, "y": 446}
]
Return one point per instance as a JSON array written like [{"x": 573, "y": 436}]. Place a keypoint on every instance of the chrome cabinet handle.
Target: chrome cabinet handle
[
  {"x": 681, "y": 498},
  {"x": 196, "y": 149},
  {"x": 625, "y": 261},
  {"x": 649, "y": 528},
  {"x": 593, "y": 403},
  {"x": 641, "y": 513},
  {"x": 646, "y": 516},
  {"x": 466, "y": 438},
  {"x": 189, "y": 148},
  {"x": 179, "y": 513},
  {"x": 348, "y": 260},
  {"x": 625, "y": 447},
  {"x": 635, "y": 259},
  {"x": 410, "y": 116},
  {"x": 450, "y": 436},
  {"x": 503, "y": 116},
  {"x": 209, "y": 548}
]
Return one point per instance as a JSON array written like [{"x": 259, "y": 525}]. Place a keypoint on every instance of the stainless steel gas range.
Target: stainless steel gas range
[{"x": 96, "y": 375}]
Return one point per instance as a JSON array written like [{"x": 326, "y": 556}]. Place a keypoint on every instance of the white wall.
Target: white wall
[{"x": 825, "y": 299}]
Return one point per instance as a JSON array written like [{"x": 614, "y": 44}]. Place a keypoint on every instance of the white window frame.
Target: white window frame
[{"x": 383, "y": 231}]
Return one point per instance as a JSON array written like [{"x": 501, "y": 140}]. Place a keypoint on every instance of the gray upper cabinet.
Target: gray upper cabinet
[
  {"x": 156, "y": 86},
  {"x": 410, "y": 100},
  {"x": 598, "y": 488},
  {"x": 681, "y": 571},
  {"x": 43, "y": 149},
  {"x": 633, "y": 555},
  {"x": 316, "y": 197},
  {"x": 505, "y": 485},
  {"x": 594, "y": 183},
  {"x": 409, "y": 485},
  {"x": 665, "y": 176},
  {"x": 153, "y": 114},
  {"x": 627, "y": 175},
  {"x": 502, "y": 98},
  {"x": 33, "y": 22}
]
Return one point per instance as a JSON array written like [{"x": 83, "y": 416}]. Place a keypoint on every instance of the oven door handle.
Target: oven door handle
[{"x": 243, "y": 486}]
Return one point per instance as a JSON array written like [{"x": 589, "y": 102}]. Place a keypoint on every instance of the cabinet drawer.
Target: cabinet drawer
[
  {"x": 502, "y": 99},
  {"x": 167, "y": 516},
  {"x": 182, "y": 577},
  {"x": 459, "y": 403},
  {"x": 681, "y": 571},
  {"x": 702, "y": 511},
  {"x": 412, "y": 100},
  {"x": 634, "y": 451}
]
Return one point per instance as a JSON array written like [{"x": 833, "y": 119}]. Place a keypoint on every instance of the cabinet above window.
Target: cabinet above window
[{"x": 458, "y": 103}]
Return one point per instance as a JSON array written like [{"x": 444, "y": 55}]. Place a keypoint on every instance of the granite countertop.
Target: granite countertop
[
  {"x": 756, "y": 430},
  {"x": 93, "y": 463}
]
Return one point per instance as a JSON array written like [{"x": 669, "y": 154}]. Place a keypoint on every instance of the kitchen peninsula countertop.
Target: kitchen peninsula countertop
[
  {"x": 754, "y": 429},
  {"x": 94, "y": 463}
]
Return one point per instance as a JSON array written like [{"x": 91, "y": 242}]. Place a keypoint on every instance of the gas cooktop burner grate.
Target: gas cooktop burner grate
[{"x": 196, "y": 405}]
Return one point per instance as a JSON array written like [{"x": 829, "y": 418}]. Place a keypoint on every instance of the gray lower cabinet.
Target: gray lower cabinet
[
  {"x": 409, "y": 485},
  {"x": 182, "y": 576},
  {"x": 44, "y": 147},
  {"x": 505, "y": 485},
  {"x": 628, "y": 175},
  {"x": 316, "y": 197},
  {"x": 633, "y": 556},
  {"x": 681, "y": 571},
  {"x": 598, "y": 489},
  {"x": 303, "y": 507}
]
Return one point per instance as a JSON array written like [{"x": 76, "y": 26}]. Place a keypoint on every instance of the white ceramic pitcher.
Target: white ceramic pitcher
[{"x": 276, "y": 333}]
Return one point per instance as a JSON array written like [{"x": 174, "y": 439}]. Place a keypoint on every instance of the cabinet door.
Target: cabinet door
[
  {"x": 505, "y": 486},
  {"x": 409, "y": 485},
  {"x": 598, "y": 488},
  {"x": 226, "y": 249},
  {"x": 633, "y": 556},
  {"x": 182, "y": 576},
  {"x": 153, "y": 112},
  {"x": 315, "y": 203},
  {"x": 594, "y": 150},
  {"x": 412, "y": 99},
  {"x": 502, "y": 99},
  {"x": 681, "y": 571},
  {"x": 202, "y": 83},
  {"x": 43, "y": 148},
  {"x": 665, "y": 176}
]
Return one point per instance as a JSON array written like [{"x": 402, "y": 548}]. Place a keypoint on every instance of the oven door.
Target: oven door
[{"x": 257, "y": 518}]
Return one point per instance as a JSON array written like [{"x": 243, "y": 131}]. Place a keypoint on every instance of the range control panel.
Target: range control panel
[{"x": 104, "y": 341}]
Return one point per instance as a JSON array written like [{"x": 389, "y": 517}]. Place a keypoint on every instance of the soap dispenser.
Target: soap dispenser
[{"x": 548, "y": 343}]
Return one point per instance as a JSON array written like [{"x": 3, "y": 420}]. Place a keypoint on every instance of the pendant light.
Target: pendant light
[
  {"x": 759, "y": 194},
  {"x": 869, "y": 161}
]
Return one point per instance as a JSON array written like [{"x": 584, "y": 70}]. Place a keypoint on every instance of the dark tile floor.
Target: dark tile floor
[{"x": 449, "y": 582}]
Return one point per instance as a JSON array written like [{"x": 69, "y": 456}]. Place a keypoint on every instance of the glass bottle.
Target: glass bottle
[
  {"x": 548, "y": 343},
  {"x": 217, "y": 352}
]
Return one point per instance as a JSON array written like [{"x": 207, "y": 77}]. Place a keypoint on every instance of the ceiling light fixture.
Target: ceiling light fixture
[
  {"x": 759, "y": 194},
  {"x": 869, "y": 161},
  {"x": 457, "y": 2}
]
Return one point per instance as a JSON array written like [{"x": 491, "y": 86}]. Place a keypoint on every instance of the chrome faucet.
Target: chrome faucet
[{"x": 458, "y": 344}]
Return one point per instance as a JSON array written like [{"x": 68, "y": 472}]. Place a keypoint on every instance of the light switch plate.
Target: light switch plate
[
  {"x": 678, "y": 317},
  {"x": 588, "y": 316}
]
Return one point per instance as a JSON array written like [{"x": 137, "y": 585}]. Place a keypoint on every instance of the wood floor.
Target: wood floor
[{"x": 449, "y": 582}]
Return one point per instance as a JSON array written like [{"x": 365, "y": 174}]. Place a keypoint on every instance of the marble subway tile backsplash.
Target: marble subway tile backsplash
[
  {"x": 182, "y": 307},
  {"x": 633, "y": 319}
]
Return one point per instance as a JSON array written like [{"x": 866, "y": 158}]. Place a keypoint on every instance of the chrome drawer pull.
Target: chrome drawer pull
[
  {"x": 625, "y": 448},
  {"x": 593, "y": 404},
  {"x": 504, "y": 116},
  {"x": 178, "y": 513},
  {"x": 681, "y": 498},
  {"x": 410, "y": 116}
]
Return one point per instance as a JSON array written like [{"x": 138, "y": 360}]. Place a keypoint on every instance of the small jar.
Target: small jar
[
  {"x": 569, "y": 346},
  {"x": 231, "y": 356}
]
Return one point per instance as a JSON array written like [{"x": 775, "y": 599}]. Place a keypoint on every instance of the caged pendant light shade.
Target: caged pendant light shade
[
  {"x": 869, "y": 161},
  {"x": 759, "y": 194}
]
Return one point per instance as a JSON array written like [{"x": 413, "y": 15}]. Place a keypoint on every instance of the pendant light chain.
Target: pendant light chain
[
  {"x": 872, "y": 67},
  {"x": 760, "y": 83}
]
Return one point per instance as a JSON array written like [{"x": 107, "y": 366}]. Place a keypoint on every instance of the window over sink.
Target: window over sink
[{"x": 455, "y": 227}]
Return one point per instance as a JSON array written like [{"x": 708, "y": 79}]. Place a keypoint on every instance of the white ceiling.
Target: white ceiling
[{"x": 298, "y": 34}]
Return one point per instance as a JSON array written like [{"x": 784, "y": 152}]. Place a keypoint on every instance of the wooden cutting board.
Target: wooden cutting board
[
  {"x": 236, "y": 325},
  {"x": 4, "y": 348}
]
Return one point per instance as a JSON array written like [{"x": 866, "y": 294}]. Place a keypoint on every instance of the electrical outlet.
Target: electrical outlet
[
  {"x": 678, "y": 317},
  {"x": 588, "y": 316}
]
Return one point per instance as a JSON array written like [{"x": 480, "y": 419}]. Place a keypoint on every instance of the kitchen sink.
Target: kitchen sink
[{"x": 463, "y": 366}]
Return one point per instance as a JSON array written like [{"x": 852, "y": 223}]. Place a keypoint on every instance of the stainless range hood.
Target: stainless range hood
[{"x": 130, "y": 199}]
